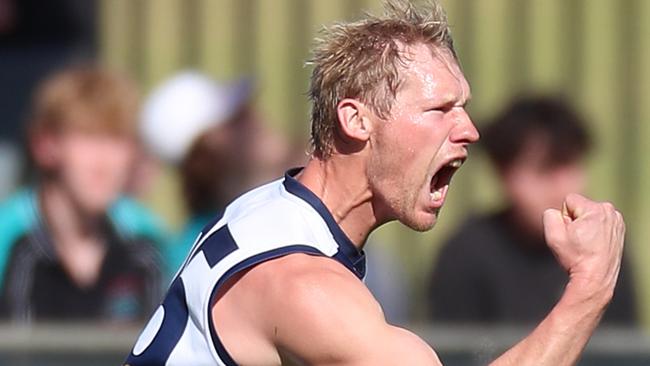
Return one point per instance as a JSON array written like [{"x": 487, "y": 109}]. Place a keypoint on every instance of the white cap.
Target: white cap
[{"x": 183, "y": 107}]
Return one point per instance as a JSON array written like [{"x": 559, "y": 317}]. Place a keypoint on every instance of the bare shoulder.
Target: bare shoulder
[
  {"x": 313, "y": 309},
  {"x": 293, "y": 285}
]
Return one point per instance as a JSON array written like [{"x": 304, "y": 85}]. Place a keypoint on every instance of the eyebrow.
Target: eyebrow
[{"x": 451, "y": 101}]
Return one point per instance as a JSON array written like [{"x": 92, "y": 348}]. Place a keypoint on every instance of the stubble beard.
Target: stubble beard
[
  {"x": 419, "y": 225},
  {"x": 401, "y": 196},
  {"x": 406, "y": 209}
]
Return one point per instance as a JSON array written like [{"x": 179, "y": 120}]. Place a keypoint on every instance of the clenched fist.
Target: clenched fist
[{"x": 587, "y": 240}]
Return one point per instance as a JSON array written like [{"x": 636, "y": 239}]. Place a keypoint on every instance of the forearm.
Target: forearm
[{"x": 562, "y": 335}]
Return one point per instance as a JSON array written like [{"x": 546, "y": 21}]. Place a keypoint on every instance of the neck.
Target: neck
[
  {"x": 341, "y": 184},
  {"x": 65, "y": 218},
  {"x": 76, "y": 234}
]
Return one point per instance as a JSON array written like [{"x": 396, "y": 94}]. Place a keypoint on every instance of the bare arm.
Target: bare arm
[
  {"x": 587, "y": 239},
  {"x": 314, "y": 311},
  {"x": 311, "y": 311},
  {"x": 332, "y": 319}
]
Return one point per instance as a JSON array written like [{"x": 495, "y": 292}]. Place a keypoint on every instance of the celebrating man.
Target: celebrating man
[{"x": 277, "y": 277}]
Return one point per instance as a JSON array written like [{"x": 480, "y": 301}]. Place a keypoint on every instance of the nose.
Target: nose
[{"x": 464, "y": 131}]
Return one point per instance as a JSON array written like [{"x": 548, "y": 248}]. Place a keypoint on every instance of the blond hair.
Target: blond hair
[
  {"x": 86, "y": 98},
  {"x": 361, "y": 60}
]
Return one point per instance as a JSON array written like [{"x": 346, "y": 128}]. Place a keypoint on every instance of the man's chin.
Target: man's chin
[{"x": 422, "y": 222}]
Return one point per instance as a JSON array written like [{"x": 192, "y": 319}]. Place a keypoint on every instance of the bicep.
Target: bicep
[
  {"x": 387, "y": 346},
  {"x": 397, "y": 346},
  {"x": 338, "y": 323}
]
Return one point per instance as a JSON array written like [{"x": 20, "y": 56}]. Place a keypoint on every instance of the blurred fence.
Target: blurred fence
[
  {"x": 594, "y": 52},
  {"x": 71, "y": 345}
]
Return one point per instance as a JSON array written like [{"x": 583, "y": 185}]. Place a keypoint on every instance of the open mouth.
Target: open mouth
[{"x": 440, "y": 181}]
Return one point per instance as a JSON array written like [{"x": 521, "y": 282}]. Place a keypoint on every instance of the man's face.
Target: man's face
[
  {"x": 423, "y": 141},
  {"x": 93, "y": 168},
  {"x": 532, "y": 186}
]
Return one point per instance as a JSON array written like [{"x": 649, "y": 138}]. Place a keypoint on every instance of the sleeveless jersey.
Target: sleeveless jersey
[{"x": 275, "y": 220}]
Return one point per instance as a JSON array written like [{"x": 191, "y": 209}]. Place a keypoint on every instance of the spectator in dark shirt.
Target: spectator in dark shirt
[
  {"x": 497, "y": 268},
  {"x": 71, "y": 248}
]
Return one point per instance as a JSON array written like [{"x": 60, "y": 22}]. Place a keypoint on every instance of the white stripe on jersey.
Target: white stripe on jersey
[{"x": 277, "y": 219}]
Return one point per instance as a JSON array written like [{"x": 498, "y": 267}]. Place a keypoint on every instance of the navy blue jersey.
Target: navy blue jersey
[{"x": 277, "y": 219}]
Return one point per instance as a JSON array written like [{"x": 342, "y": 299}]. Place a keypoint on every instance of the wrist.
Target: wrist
[{"x": 587, "y": 291}]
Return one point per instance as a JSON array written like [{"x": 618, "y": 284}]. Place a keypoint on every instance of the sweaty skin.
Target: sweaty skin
[{"x": 313, "y": 311}]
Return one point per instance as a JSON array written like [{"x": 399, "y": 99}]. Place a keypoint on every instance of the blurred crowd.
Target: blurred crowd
[{"x": 76, "y": 242}]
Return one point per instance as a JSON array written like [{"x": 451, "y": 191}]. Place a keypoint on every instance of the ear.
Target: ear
[{"x": 354, "y": 122}]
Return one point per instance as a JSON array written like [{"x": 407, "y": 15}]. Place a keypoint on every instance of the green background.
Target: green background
[{"x": 596, "y": 53}]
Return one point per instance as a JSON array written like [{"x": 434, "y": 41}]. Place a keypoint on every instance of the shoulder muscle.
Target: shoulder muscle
[{"x": 321, "y": 314}]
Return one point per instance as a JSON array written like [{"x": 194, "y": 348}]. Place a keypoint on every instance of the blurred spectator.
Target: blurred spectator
[
  {"x": 70, "y": 247},
  {"x": 219, "y": 142},
  {"x": 497, "y": 267},
  {"x": 36, "y": 38}
]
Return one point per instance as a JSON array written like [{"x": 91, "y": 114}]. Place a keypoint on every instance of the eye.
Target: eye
[{"x": 442, "y": 109}]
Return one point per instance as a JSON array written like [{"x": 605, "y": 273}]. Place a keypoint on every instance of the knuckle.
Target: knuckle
[
  {"x": 618, "y": 214},
  {"x": 608, "y": 207}
]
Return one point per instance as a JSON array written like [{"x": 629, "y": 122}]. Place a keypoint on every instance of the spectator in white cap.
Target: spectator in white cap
[{"x": 218, "y": 141}]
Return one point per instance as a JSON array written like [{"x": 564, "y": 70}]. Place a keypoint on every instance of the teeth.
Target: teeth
[
  {"x": 456, "y": 163},
  {"x": 436, "y": 195}
]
